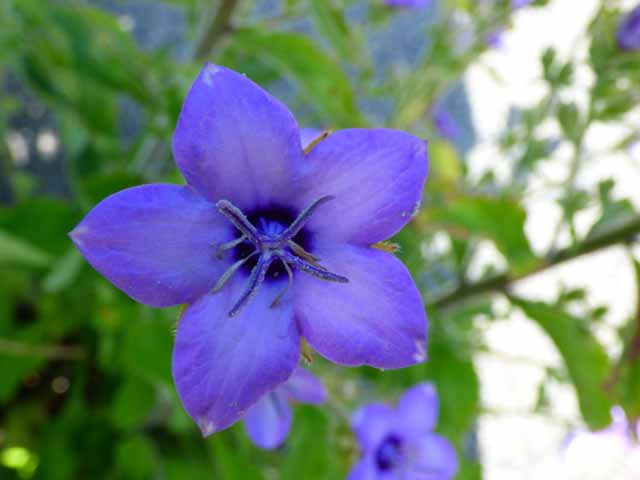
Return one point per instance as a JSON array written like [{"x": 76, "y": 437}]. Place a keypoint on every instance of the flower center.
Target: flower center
[
  {"x": 268, "y": 241},
  {"x": 389, "y": 454}
]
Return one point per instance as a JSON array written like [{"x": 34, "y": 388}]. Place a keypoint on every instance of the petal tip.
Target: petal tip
[
  {"x": 77, "y": 233},
  {"x": 420, "y": 354},
  {"x": 207, "y": 427},
  {"x": 209, "y": 71}
]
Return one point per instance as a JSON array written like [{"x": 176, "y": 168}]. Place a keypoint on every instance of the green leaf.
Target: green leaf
[
  {"x": 132, "y": 403},
  {"x": 585, "y": 359},
  {"x": 330, "y": 22},
  {"x": 499, "y": 219},
  {"x": 42, "y": 222},
  {"x": 64, "y": 272},
  {"x": 569, "y": 118},
  {"x": 136, "y": 458},
  {"x": 319, "y": 78},
  {"x": 627, "y": 375},
  {"x": 230, "y": 462},
  {"x": 311, "y": 428},
  {"x": 15, "y": 251}
]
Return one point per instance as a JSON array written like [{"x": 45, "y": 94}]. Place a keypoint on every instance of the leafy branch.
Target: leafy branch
[{"x": 624, "y": 233}]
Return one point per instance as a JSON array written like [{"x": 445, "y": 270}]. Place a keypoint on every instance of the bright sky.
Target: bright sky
[{"x": 519, "y": 445}]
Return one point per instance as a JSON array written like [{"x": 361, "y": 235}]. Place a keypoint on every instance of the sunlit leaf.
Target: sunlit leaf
[{"x": 584, "y": 357}]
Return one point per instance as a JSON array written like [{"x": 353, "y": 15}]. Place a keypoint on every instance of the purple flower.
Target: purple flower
[
  {"x": 629, "y": 31},
  {"x": 516, "y": 4},
  {"x": 268, "y": 421},
  {"x": 444, "y": 122},
  {"x": 267, "y": 244},
  {"x": 408, "y": 3},
  {"x": 495, "y": 39},
  {"x": 400, "y": 443}
]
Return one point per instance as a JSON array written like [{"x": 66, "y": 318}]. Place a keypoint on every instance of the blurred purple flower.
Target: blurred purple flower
[
  {"x": 444, "y": 123},
  {"x": 629, "y": 31},
  {"x": 617, "y": 441},
  {"x": 516, "y": 4},
  {"x": 256, "y": 208},
  {"x": 268, "y": 422},
  {"x": 495, "y": 39},
  {"x": 408, "y": 3},
  {"x": 400, "y": 443}
]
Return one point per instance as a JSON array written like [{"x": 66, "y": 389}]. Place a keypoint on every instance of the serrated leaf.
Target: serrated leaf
[{"x": 585, "y": 359}]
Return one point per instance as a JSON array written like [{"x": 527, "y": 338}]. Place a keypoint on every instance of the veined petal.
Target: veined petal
[
  {"x": 222, "y": 365},
  {"x": 376, "y": 319},
  {"x": 268, "y": 422},
  {"x": 305, "y": 387},
  {"x": 430, "y": 457},
  {"x": 371, "y": 424},
  {"x": 235, "y": 141},
  {"x": 376, "y": 177},
  {"x": 418, "y": 410},
  {"x": 155, "y": 242}
]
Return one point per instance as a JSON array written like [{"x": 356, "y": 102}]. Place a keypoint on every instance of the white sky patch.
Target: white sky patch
[{"x": 515, "y": 443}]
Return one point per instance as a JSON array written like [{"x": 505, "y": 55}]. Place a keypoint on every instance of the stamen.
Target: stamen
[
  {"x": 235, "y": 216},
  {"x": 270, "y": 244},
  {"x": 286, "y": 289},
  {"x": 224, "y": 278},
  {"x": 303, "y": 266},
  {"x": 253, "y": 284},
  {"x": 228, "y": 246},
  {"x": 293, "y": 229},
  {"x": 301, "y": 252}
]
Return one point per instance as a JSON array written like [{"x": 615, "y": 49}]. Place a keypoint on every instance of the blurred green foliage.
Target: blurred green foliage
[{"x": 86, "y": 388}]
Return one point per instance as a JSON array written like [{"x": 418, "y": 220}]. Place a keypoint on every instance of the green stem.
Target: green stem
[
  {"x": 214, "y": 31},
  {"x": 58, "y": 352},
  {"x": 624, "y": 233}
]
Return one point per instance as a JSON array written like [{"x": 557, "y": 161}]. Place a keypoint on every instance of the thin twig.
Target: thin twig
[
  {"x": 625, "y": 233},
  {"x": 154, "y": 149},
  {"x": 53, "y": 352}
]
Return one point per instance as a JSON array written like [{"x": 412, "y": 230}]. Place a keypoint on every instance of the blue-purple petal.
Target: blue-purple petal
[
  {"x": 375, "y": 319},
  {"x": 305, "y": 387},
  {"x": 268, "y": 422},
  {"x": 418, "y": 410},
  {"x": 517, "y": 4},
  {"x": 155, "y": 242},
  {"x": 371, "y": 423},
  {"x": 408, "y": 3},
  {"x": 376, "y": 178},
  {"x": 235, "y": 141},
  {"x": 364, "y": 469},
  {"x": 222, "y": 365},
  {"x": 628, "y": 35},
  {"x": 431, "y": 457}
]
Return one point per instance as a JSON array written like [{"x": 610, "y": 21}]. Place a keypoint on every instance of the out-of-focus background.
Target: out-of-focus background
[{"x": 525, "y": 249}]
